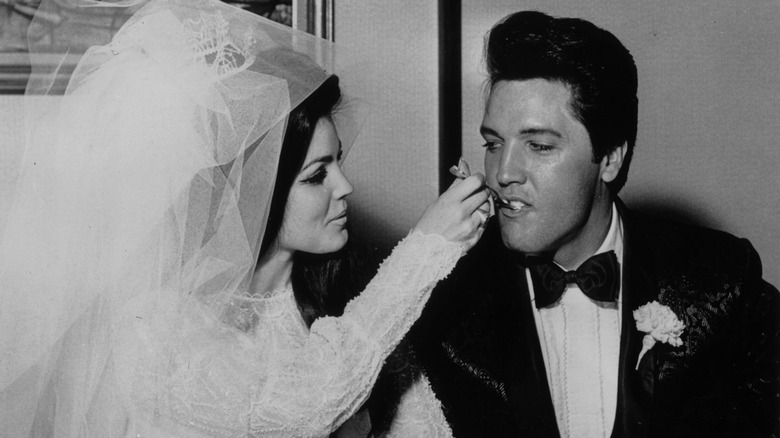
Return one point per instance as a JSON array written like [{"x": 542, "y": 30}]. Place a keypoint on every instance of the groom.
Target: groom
[{"x": 536, "y": 332}]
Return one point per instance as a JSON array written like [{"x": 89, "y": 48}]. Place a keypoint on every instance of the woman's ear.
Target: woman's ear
[{"x": 612, "y": 162}]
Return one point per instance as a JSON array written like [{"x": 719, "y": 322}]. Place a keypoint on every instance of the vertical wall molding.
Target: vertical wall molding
[
  {"x": 450, "y": 101},
  {"x": 315, "y": 17}
]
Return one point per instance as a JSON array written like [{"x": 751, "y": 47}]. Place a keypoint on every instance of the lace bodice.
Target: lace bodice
[
  {"x": 419, "y": 414},
  {"x": 279, "y": 378}
]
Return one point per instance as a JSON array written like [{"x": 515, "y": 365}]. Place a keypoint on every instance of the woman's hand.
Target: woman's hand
[{"x": 459, "y": 214}]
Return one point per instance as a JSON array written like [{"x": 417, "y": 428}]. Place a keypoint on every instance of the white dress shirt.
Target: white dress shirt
[{"x": 580, "y": 341}]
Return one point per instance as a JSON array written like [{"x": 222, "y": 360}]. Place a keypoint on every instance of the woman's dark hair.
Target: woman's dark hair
[
  {"x": 322, "y": 283},
  {"x": 598, "y": 70}
]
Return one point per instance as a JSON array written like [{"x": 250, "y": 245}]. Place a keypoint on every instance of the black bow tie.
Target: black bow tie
[{"x": 597, "y": 277}]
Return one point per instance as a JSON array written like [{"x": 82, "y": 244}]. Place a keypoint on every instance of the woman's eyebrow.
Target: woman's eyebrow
[{"x": 323, "y": 159}]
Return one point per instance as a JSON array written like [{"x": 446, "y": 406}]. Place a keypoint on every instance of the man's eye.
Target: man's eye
[
  {"x": 539, "y": 147},
  {"x": 490, "y": 145},
  {"x": 318, "y": 177}
]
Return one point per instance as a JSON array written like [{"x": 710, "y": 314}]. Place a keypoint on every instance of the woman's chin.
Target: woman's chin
[
  {"x": 342, "y": 241},
  {"x": 335, "y": 242}
]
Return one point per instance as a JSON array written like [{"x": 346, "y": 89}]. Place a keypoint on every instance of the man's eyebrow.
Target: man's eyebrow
[
  {"x": 541, "y": 131},
  {"x": 484, "y": 130}
]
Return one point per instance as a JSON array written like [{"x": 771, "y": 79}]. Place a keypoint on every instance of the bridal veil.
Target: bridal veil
[{"x": 144, "y": 186}]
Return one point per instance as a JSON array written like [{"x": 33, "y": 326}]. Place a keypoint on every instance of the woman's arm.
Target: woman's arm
[{"x": 313, "y": 389}]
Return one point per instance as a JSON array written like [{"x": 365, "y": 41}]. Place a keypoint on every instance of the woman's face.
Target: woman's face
[{"x": 315, "y": 217}]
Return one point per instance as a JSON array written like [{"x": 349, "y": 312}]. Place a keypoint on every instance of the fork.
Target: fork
[{"x": 498, "y": 201}]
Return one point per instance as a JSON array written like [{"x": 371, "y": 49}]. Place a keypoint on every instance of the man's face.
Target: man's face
[{"x": 540, "y": 157}]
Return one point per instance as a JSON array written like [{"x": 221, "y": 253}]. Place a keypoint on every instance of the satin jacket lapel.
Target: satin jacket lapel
[
  {"x": 529, "y": 392},
  {"x": 640, "y": 286}
]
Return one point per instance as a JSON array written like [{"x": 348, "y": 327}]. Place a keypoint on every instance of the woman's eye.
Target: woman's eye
[{"x": 318, "y": 177}]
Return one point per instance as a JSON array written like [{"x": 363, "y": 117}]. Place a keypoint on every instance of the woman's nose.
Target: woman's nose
[
  {"x": 343, "y": 186},
  {"x": 511, "y": 166}
]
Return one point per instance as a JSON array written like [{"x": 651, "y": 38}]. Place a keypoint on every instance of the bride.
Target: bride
[{"x": 154, "y": 266}]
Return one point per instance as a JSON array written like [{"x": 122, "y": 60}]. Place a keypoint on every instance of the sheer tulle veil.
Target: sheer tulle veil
[{"x": 141, "y": 199}]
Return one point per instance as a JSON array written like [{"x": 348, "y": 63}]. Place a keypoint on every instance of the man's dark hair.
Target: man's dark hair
[{"x": 598, "y": 70}]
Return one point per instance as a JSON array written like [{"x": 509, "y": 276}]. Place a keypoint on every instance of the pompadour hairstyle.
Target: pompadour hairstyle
[{"x": 595, "y": 66}]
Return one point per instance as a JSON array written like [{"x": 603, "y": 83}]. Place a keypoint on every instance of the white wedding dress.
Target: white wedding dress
[
  {"x": 419, "y": 413},
  {"x": 302, "y": 382}
]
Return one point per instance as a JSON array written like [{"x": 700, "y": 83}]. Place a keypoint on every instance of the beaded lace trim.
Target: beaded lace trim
[{"x": 247, "y": 310}]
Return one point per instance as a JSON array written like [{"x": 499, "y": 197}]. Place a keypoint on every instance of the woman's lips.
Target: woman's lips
[{"x": 341, "y": 216}]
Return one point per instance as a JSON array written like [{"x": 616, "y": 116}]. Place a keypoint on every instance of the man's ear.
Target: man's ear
[{"x": 612, "y": 162}]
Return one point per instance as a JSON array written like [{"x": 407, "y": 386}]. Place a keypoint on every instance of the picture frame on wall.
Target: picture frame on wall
[{"x": 314, "y": 16}]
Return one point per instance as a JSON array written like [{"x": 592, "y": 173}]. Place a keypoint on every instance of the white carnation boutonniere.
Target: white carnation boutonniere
[{"x": 660, "y": 324}]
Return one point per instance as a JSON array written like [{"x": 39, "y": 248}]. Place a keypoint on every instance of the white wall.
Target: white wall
[
  {"x": 11, "y": 131},
  {"x": 709, "y": 95},
  {"x": 393, "y": 164}
]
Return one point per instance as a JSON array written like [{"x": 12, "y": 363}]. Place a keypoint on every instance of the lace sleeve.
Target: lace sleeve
[
  {"x": 312, "y": 388},
  {"x": 419, "y": 414}
]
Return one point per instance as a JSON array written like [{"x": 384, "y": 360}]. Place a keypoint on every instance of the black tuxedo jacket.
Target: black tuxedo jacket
[{"x": 478, "y": 345}]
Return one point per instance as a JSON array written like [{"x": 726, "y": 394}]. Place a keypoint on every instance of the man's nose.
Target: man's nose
[{"x": 512, "y": 165}]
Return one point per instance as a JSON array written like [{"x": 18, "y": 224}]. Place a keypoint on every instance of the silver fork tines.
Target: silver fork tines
[{"x": 498, "y": 201}]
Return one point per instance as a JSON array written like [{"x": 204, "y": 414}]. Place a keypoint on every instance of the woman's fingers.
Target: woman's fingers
[
  {"x": 463, "y": 188},
  {"x": 459, "y": 214},
  {"x": 476, "y": 201}
]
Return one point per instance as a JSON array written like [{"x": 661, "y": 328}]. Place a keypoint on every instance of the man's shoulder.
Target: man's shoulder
[
  {"x": 686, "y": 246},
  {"x": 680, "y": 234},
  {"x": 695, "y": 263}
]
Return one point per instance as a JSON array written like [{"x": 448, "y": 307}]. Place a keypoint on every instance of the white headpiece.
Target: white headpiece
[{"x": 145, "y": 185}]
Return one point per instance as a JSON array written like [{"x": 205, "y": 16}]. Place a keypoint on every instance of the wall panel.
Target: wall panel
[{"x": 393, "y": 164}]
